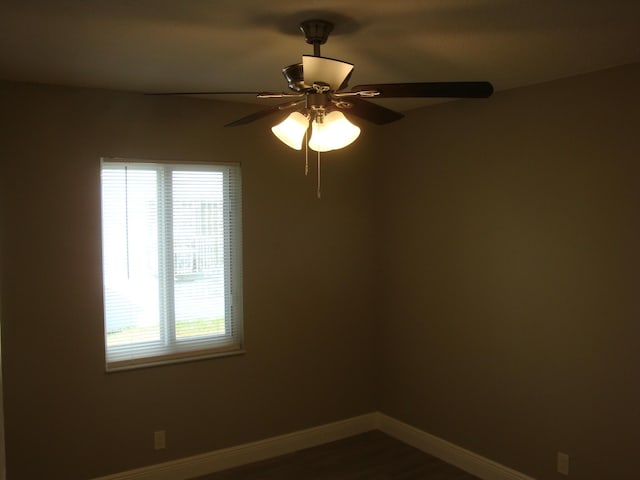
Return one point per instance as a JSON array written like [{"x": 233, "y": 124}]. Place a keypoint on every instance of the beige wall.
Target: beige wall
[
  {"x": 308, "y": 299},
  {"x": 511, "y": 275},
  {"x": 496, "y": 246}
]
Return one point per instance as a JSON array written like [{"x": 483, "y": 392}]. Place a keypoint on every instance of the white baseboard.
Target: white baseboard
[
  {"x": 218, "y": 460},
  {"x": 464, "y": 459},
  {"x": 198, "y": 465}
]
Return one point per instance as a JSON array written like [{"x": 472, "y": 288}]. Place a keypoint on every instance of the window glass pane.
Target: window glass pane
[
  {"x": 172, "y": 262},
  {"x": 130, "y": 255},
  {"x": 198, "y": 251}
]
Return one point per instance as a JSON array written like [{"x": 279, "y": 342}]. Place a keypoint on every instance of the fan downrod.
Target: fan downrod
[{"x": 316, "y": 32}]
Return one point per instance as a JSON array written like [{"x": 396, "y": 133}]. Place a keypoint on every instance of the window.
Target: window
[{"x": 171, "y": 241}]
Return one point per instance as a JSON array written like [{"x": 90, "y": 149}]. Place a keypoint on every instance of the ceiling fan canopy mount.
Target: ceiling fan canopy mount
[{"x": 316, "y": 31}]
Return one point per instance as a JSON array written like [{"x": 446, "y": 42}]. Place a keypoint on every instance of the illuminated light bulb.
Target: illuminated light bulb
[
  {"x": 291, "y": 130},
  {"x": 332, "y": 133}
]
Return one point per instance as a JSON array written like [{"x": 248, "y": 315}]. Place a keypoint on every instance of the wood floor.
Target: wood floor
[{"x": 369, "y": 456}]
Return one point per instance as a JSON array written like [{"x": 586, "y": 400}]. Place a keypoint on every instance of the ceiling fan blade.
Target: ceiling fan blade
[
  {"x": 372, "y": 112},
  {"x": 325, "y": 70},
  {"x": 430, "y": 89},
  {"x": 281, "y": 108},
  {"x": 205, "y": 93}
]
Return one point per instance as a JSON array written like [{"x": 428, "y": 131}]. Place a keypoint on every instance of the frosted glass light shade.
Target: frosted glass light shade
[
  {"x": 333, "y": 133},
  {"x": 291, "y": 130}
]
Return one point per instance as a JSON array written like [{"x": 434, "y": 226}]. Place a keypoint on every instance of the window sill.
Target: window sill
[{"x": 122, "y": 365}]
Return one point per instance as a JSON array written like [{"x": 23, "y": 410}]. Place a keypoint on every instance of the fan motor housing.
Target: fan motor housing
[{"x": 295, "y": 77}]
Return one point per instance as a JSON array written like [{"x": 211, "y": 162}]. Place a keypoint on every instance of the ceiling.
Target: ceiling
[{"x": 185, "y": 45}]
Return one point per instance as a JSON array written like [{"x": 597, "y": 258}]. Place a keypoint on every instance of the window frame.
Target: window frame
[{"x": 170, "y": 349}]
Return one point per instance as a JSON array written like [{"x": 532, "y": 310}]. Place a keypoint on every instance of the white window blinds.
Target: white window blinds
[{"x": 171, "y": 236}]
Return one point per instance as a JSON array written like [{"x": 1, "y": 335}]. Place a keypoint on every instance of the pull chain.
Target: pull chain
[
  {"x": 318, "y": 191},
  {"x": 306, "y": 154}
]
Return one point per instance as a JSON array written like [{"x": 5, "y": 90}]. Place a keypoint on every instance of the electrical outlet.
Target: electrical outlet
[
  {"x": 159, "y": 440},
  {"x": 563, "y": 463}
]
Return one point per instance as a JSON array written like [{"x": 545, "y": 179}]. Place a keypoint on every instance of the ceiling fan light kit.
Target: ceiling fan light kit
[{"x": 318, "y": 99}]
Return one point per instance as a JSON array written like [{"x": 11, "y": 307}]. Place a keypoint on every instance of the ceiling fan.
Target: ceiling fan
[{"x": 318, "y": 98}]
